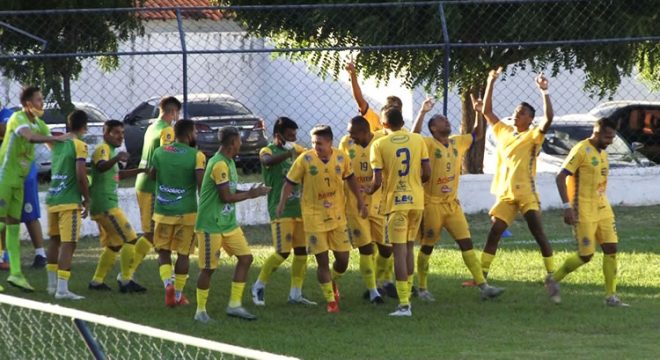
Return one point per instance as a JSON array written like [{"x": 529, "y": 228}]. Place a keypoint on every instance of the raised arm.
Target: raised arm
[
  {"x": 548, "y": 113},
  {"x": 488, "y": 97},
  {"x": 427, "y": 106},
  {"x": 478, "y": 128},
  {"x": 363, "y": 105},
  {"x": 268, "y": 159},
  {"x": 35, "y": 138}
]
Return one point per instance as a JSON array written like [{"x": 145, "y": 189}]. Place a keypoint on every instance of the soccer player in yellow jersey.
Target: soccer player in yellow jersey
[
  {"x": 442, "y": 209},
  {"x": 513, "y": 183},
  {"x": 159, "y": 133},
  {"x": 582, "y": 185},
  {"x": 364, "y": 233},
  {"x": 401, "y": 164},
  {"x": 322, "y": 172}
]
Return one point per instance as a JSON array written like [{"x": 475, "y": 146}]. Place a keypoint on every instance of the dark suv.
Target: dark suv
[{"x": 209, "y": 112}]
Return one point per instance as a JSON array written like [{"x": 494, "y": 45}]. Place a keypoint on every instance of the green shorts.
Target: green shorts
[{"x": 11, "y": 201}]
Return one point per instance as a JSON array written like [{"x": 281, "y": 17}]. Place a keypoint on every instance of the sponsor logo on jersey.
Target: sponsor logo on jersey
[
  {"x": 313, "y": 170},
  {"x": 399, "y": 139},
  {"x": 403, "y": 199}
]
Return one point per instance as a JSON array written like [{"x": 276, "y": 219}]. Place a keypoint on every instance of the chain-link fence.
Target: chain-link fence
[{"x": 245, "y": 63}]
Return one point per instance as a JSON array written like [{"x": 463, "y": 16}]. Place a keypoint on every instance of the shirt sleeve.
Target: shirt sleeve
[
  {"x": 346, "y": 168},
  {"x": 80, "y": 149},
  {"x": 101, "y": 154},
  {"x": 573, "y": 160},
  {"x": 502, "y": 131},
  {"x": 375, "y": 157},
  {"x": 425, "y": 150},
  {"x": 220, "y": 173},
  {"x": 297, "y": 170},
  {"x": 538, "y": 136},
  {"x": 200, "y": 161},
  {"x": 464, "y": 142},
  {"x": 343, "y": 144},
  {"x": 167, "y": 136},
  {"x": 373, "y": 119}
]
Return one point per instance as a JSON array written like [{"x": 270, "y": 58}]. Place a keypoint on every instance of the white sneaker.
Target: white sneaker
[
  {"x": 614, "y": 301},
  {"x": 553, "y": 289},
  {"x": 258, "y": 297},
  {"x": 426, "y": 295},
  {"x": 490, "y": 292},
  {"x": 67, "y": 296},
  {"x": 51, "y": 288},
  {"x": 402, "y": 310},
  {"x": 301, "y": 300}
]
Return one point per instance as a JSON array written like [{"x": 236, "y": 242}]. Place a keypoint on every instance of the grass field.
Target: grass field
[{"x": 521, "y": 324}]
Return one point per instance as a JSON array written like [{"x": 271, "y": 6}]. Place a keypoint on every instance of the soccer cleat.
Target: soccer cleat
[
  {"x": 301, "y": 300},
  {"x": 240, "y": 312},
  {"x": 490, "y": 292},
  {"x": 426, "y": 295},
  {"x": 402, "y": 310},
  {"x": 183, "y": 301},
  {"x": 39, "y": 262},
  {"x": 135, "y": 287},
  {"x": 258, "y": 296},
  {"x": 553, "y": 289},
  {"x": 333, "y": 307},
  {"x": 170, "y": 296},
  {"x": 614, "y": 301},
  {"x": 390, "y": 290},
  {"x": 378, "y": 300},
  {"x": 68, "y": 295},
  {"x": 20, "y": 282},
  {"x": 335, "y": 290},
  {"x": 99, "y": 287},
  {"x": 469, "y": 283},
  {"x": 203, "y": 317}
]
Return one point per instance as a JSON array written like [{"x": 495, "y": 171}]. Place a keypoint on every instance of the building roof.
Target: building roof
[{"x": 215, "y": 15}]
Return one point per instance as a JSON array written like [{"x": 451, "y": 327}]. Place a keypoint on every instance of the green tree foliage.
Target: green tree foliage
[
  {"x": 494, "y": 23},
  {"x": 64, "y": 33}
]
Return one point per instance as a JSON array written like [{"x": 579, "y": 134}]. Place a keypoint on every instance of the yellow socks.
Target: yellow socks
[
  {"x": 106, "y": 262},
  {"x": 486, "y": 260},
  {"x": 573, "y": 262},
  {"x": 389, "y": 268},
  {"x": 367, "y": 271},
  {"x": 381, "y": 268},
  {"x": 236, "y": 294},
  {"x": 166, "y": 274},
  {"x": 142, "y": 248},
  {"x": 403, "y": 290},
  {"x": 422, "y": 269},
  {"x": 179, "y": 284},
  {"x": 609, "y": 271},
  {"x": 298, "y": 270},
  {"x": 126, "y": 256},
  {"x": 549, "y": 263},
  {"x": 328, "y": 294},
  {"x": 202, "y": 296},
  {"x": 270, "y": 265},
  {"x": 470, "y": 260}
]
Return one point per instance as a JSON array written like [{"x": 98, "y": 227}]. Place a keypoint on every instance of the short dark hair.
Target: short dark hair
[
  {"x": 77, "y": 120},
  {"x": 28, "y": 92},
  {"x": 168, "y": 102},
  {"x": 111, "y": 124},
  {"x": 360, "y": 123},
  {"x": 529, "y": 107},
  {"x": 394, "y": 117},
  {"x": 183, "y": 128},
  {"x": 227, "y": 134},
  {"x": 322, "y": 130},
  {"x": 434, "y": 117},
  {"x": 604, "y": 123},
  {"x": 282, "y": 123},
  {"x": 394, "y": 101}
]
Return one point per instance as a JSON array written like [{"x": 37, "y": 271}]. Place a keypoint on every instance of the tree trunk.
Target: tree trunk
[{"x": 473, "y": 162}]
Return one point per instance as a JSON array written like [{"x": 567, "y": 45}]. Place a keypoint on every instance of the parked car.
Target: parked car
[
  {"x": 566, "y": 132},
  {"x": 210, "y": 112}
]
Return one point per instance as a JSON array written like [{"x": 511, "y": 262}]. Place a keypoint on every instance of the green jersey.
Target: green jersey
[
  {"x": 63, "y": 182},
  {"x": 158, "y": 134},
  {"x": 104, "y": 184},
  {"x": 176, "y": 181},
  {"x": 16, "y": 152},
  {"x": 274, "y": 177},
  {"x": 215, "y": 216}
]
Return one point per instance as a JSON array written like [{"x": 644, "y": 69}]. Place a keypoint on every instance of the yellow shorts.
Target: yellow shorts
[
  {"x": 402, "y": 226},
  {"x": 589, "y": 233},
  {"x": 114, "y": 228},
  {"x": 322, "y": 241},
  {"x": 179, "y": 238},
  {"x": 287, "y": 233},
  {"x": 506, "y": 210},
  {"x": 146, "y": 204},
  {"x": 365, "y": 231},
  {"x": 448, "y": 216},
  {"x": 233, "y": 243},
  {"x": 65, "y": 224}
]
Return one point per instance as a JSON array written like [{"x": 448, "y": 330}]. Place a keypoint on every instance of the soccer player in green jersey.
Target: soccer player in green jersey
[
  {"x": 216, "y": 225},
  {"x": 159, "y": 133},
  {"x": 116, "y": 232},
  {"x": 177, "y": 169},
  {"x": 287, "y": 230},
  {"x": 68, "y": 204},
  {"x": 23, "y": 130}
]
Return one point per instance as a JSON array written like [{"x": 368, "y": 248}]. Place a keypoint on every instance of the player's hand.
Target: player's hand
[
  {"x": 65, "y": 137},
  {"x": 350, "y": 67},
  {"x": 477, "y": 104},
  {"x": 541, "y": 82},
  {"x": 494, "y": 74},
  {"x": 122, "y": 156},
  {"x": 85, "y": 206},
  {"x": 259, "y": 191},
  {"x": 364, "y": 211},
  {"x": 569, "y": 216},
  {"x": 427, "y": 105}
]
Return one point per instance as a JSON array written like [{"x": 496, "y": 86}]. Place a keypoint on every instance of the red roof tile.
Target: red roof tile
[{"x": 171, "y": 15}]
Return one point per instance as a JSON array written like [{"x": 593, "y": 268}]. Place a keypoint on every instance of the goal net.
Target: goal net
[{"x": 35, "y": 330}]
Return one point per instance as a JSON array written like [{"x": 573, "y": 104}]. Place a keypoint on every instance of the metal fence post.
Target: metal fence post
[
  {"x": 445, "y": 72},
  {"x": 184, "y": 56}
]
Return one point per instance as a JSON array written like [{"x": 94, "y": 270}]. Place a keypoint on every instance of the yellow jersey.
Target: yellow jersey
[
  {"x": 373, "y": 119},
  {"x": 323, "y": 205},
  {"x": 399, "y": 156},
  {"x": 517, "y": 154},
  {"x": 361, "y": 166},
  {"x": 588, "y": 168},
  {"x": 445, "y": 167}
]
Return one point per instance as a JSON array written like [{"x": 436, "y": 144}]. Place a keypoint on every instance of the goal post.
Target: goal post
[{"x": 31, "y": 329}]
